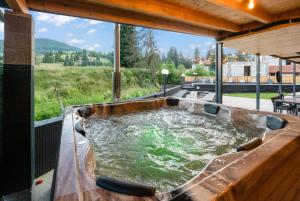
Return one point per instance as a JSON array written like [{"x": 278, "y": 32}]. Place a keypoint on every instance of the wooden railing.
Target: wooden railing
[{"x": 245, "y": 79}]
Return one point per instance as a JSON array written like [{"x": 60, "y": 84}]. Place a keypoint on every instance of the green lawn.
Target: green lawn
[
  {"x": 81, "y": 85},
  {"x": 253, "y": 95}
]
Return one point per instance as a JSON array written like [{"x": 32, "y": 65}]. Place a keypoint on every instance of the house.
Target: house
[
  {"x": 268, "y": 66},
  {"x": 286, "y": 70}
]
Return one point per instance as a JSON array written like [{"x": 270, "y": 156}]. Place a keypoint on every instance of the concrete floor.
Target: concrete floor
[
  {"x": 248, "y": 103},
  {"x": 42, "y": 192},
  {"x": 24, "y": 195}
]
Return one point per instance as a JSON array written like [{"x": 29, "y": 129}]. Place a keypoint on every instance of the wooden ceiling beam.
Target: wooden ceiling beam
[
  {"x": 105, "y": 13},
  {"x": 288, "y": 15},
  {"x": 256, "y": 13},
  {"x": 171, "y": 11},
  {"x": 291, "y": 14},
  {"x": 292, "y": 57},
  {"x": 18, "y": 6}
]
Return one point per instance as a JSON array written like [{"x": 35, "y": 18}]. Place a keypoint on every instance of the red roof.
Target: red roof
[{"x": 285, "y": 69}]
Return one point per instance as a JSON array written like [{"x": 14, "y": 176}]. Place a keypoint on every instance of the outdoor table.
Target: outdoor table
[
  {"x": 291, "y": 100},
  {"x": 295, "y": 101}
]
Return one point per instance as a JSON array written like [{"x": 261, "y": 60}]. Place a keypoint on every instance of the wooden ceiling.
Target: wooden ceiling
[
  {"x": 221, "y": 19},
  {"x": 282, "y": 42}
]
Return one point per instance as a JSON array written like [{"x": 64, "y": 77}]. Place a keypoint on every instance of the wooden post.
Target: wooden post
[
  {"x": 18, "y": 103},
  {"x": 117, "y": 66}
]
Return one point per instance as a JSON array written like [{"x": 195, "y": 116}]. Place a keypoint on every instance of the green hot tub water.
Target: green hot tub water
[{"x": 164, "y": 148}]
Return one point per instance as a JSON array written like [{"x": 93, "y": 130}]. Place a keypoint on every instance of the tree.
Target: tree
[
  {"x": 172, "y": 56},
  {"x": 243, "y": 56},
  {"x": 196, "y": 55},
  {"x": 67, "y": 61},
  {"x": 76, "y": 56},
  {"x": 57, "y": 57},
  {"x": 129, "y": 53},
  {"x": 187, "y": 63},
  {"x": 211, "y": 57},
  {"x": 85, "y": 59},
  {"x": 49, "y": 57},
  {"x": 71, "y": 61},
  {"x": 1, "y": 16},
  {"x": 110, "y": 57},
  {"x": 151, "y": 52}
]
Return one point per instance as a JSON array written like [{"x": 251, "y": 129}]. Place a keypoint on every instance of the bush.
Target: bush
[
  {"x": 200, "y": 71},
  {"x": 174, "y": 76}
]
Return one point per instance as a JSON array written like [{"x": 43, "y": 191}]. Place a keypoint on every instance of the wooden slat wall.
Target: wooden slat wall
[
  {"x": 246, "y": 79},
  {"x": 47, "y": 140}
]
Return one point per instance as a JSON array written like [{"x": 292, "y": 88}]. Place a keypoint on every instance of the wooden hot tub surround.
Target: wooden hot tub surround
[{"x": 269, "y": 172}]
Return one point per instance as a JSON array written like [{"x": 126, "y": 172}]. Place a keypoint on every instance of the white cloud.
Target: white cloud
[
  {"x": 1, "y": 27},
  {"x": 43, "y": 29},
  {"x": 208, "y": 43},
  {"x": 91, "y": 31},
  {"x": 57, "y": 20},
  {"x": 194, "y": 46},
  {"x": 93, "y": 22},
  {"x": 92, "y": 47},
  {"x": 86, "y": 23},
  {"x": 75, "y": 41}
]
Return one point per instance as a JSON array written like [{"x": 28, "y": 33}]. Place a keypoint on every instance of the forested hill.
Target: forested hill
[{"x": 45, "y": 45}]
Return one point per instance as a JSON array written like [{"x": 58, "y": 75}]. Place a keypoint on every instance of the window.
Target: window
[{"x": 247, "y": 70}]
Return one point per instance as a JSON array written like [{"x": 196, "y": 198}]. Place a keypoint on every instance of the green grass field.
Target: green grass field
[
  {"x": 81, "y": 85},
  {"x": 253, "y": 95}
]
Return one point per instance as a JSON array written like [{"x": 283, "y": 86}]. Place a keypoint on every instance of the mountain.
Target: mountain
[{"x": 46, "y": 45}]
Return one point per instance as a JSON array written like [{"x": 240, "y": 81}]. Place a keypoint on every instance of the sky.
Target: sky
[{"x": 98, "y": 35}]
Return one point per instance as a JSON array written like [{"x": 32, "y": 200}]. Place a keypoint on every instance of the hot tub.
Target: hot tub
[{"x": 256, "y": 172}]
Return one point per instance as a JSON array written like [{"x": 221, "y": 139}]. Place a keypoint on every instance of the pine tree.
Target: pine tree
[
  {"x": 76, "y": 57},
  {"x": 85, "y": 60},
  {"x": 187, "y": 63},
  {"x": 130, "y": 52},
  {"x": 97, "y": 60},
  {"x": 71, "y": 61},
  {"x": 211, "y": 57},
  {"x": 151, "y": 52},
  {"x": 67, "y": 61},
  {"x": 173, "y": 56},
  {"x": 196, "y": 55},
  {"x": 57, "y": 58}
]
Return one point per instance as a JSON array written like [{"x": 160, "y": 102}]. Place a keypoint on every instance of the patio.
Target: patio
[{"x": 247, "y": 103}]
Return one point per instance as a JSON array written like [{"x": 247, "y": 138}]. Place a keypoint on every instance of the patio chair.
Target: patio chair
[
  {"x": 297, "y": 110},
  {"x": 279, "y": 106}
]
